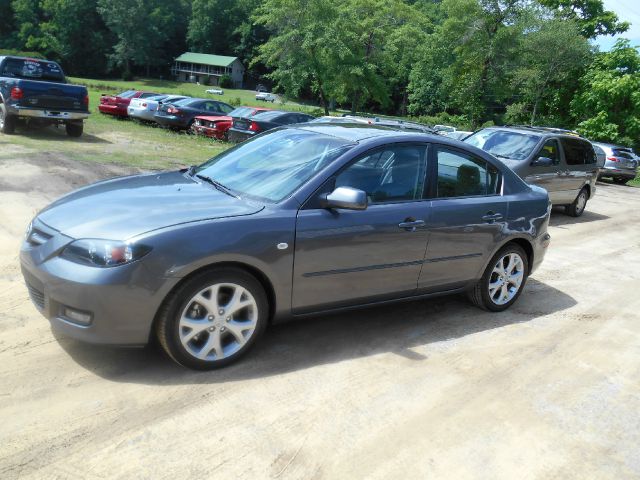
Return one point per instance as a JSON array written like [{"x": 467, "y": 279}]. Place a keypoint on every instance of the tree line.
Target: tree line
[{"x": 471, "y": 62}]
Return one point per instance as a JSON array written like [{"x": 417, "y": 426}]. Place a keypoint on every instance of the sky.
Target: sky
[{"x": 627, "y": 10}]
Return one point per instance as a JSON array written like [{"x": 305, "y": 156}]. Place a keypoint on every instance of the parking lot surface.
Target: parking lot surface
[{"x": 427, "y": 389}]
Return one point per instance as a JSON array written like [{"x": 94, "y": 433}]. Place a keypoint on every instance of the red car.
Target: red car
[
  {"x": 117, "y": 104},
  {"x": 218, "y": 126}
]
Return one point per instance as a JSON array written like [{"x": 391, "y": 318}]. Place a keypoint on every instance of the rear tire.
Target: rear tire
[
  {"x": 620, "y": 181},
  {"x": 74, "y": 129},
  {"x": 576, "y": 209},
  {"x": 7, "y": 121},
  {"x": 213, "y": 319},
  {"x": 499, "y": 288}
]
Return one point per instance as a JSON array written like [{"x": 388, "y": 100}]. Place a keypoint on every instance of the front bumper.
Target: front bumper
[
  {"x": 117, "y": 110},
  {"x": 47, "y": 114},
  {"x": 121, "y": 301}
]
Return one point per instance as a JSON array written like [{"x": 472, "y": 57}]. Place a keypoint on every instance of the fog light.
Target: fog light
[{"x": 77, "y": 316}]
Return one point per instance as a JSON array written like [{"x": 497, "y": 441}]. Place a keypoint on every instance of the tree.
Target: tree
[
  {"x": 607, "y": 106},
  {"x": 590, "y": 15},
  {"x": 550, "y": 56}
]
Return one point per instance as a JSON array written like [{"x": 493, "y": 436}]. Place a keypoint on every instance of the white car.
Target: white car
[
  {"x": 145, "y": 108},
  {"x": 266, "y": 97},
  {"x": 215, "y": 91}
]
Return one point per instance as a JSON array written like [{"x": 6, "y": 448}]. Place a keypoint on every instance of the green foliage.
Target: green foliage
[
  {"x": 236, "y": 102},
  {"x": 20, "y": 53},
  {"x": 226, "y": 81},
  {"x": 590, "y": 15},
  {"x": 607, "y": 105}
]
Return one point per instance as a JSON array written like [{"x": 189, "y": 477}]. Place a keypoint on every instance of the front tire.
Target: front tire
[
  {"x": 74, "y": 130},
  {"x": 213, "y": 319},
  {"x": 502, "y": 281},
  {"x": 576, "y": 209},
  {"x": 7, "y": 121}
]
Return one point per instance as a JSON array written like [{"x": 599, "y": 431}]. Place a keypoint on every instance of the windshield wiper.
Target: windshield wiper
[
  {"x": 500, "y": 156},
  {"x": 218, "y": 185}
]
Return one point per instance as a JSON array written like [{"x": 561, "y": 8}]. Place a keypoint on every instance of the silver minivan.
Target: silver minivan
[{"x": 564, "y": 164}]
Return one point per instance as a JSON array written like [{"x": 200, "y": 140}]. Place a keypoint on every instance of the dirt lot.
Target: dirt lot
[{"x": 430, "y": 389}]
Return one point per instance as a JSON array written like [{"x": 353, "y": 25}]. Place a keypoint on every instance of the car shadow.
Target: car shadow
[
  {"x": 55, "y": 134},
  {"x": 401, "y": 328},
  {"x": 559, "y": 218}
]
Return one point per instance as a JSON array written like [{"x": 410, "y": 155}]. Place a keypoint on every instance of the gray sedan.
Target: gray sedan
[
  {"x": 295, "y": 222},
  {"x": 619, "y": 163}
]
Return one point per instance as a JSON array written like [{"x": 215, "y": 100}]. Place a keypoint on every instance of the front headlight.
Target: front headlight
[{"x": 103, "y": 253}]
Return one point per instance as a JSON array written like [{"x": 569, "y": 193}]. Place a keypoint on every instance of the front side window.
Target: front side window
[
  {"x": 270, "y": 167},
  {"x": 504, "y": 143},
  {"x": 551, "y": 150},
  {"x": 461, "y": 175},
  {"x": 392, "y": 174}
]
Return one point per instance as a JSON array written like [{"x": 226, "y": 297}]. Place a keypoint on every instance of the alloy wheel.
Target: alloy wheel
[
  {"x": 581, "y": 202},
  {"x": 218, "y": 321},
  {"x": 506, "y": 278}
]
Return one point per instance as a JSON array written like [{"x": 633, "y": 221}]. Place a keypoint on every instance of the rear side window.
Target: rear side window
[
  {"x": 577, "y": 152},
  {"x": 32, "y": 69},
  {"x": 461, "y": 175}
]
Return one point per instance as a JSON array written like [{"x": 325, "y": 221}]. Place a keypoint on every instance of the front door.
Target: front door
[
  {"x": 347, "y": 257},
  {"x": 468, "y": 215},
  {"x": 553, "y": 178}
]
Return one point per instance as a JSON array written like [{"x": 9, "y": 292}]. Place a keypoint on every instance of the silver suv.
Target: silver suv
[
  {"x": 560, "y": 161},
  {"x": 619, "y": 163}
]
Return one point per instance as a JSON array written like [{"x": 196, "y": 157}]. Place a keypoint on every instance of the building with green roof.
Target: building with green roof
[{"x": 207, "y": 69}]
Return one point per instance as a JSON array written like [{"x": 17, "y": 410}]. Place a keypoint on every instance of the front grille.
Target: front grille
[
  {"x": 37, "y": 297},
  {"x": 37, "y": 237}
]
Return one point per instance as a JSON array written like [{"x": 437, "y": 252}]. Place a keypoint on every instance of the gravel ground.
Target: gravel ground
[{"x": 428, "y": 389}]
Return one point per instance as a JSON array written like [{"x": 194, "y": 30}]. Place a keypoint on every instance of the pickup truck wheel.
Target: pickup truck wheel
[
  {"x": 74, "y": 129},
  {"x": 7, "y": 122}
]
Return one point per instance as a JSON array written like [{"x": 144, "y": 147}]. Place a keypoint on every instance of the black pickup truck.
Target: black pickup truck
[{"x": 37, "y": 91}]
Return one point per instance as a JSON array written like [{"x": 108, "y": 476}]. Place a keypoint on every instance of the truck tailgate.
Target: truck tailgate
[{"x": 53, "y": 96}]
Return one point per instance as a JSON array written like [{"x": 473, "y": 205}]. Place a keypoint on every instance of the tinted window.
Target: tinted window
[
  {"x": 551, "y": 149},
  {"x": 224, "y": 108},
  {"x": 32, "y": 69},
  {"x": 272, "y": 166},
  {"x": 503, "y": 143},
  {"x": 577, "y": 152},
  {"x": 387, "y": 175},
  {"x": 461, "y": 175}
]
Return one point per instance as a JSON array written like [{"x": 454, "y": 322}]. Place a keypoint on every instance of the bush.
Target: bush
[
  {"x": 226, "y": 82},
  {"x": 18, "y": 53},
  {"x": 236, "y": 102},
  {"x": 461, "y": 122}
]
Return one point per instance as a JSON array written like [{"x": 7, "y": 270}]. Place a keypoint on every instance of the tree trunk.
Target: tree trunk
[
  {"x": 354, "y": 102},
  {"x": 403, "y": 105}
]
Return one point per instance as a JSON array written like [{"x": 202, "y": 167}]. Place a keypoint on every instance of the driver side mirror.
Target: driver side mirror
[
  {"x": 542, "y": 162},
  {"x": 345, "y": 197}
]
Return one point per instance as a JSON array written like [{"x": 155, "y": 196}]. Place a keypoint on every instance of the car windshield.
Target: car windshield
[
  {"x": 32, "y": 69},
  {"x": 271, "y": 167},
  {"x": 503, "y": 143}
]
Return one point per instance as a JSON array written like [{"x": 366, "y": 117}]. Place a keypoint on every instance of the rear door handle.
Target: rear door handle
[
  {"x": 491, "y": 217},
  {"x": 411, "y": 225}
]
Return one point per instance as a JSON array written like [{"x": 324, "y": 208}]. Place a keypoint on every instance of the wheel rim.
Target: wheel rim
[
  {"x": 506, "y": 278},
  {"x": 581, "y": 202},
  {"x": 218, "y": 321}
]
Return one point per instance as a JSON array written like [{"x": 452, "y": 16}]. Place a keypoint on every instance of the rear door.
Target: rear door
[
  {"x": 468, "y": 214},
  {"x": 581, "y": 166},
  {"x": 345, "y": 257}
]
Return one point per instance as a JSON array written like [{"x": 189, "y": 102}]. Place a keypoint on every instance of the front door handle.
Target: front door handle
[
  {"x": 410, "y": 224},
  {"x": 491, "y": 217}
]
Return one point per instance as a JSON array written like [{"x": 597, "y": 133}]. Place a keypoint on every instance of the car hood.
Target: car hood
[{"x": 122, "y": 208}]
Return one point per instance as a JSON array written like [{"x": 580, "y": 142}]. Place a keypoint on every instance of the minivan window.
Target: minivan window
[
  {"x": 577, "y": 152},
  {"x": 461, "y": 175},
  {"x": 504, "y": 143}
]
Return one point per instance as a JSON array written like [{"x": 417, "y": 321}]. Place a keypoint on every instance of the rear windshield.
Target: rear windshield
[
  {"x": 268, "y": 115},
  {"x": 618, "y": 152},
  {"x": 503, "y": 143},
  {"x": 32, "y": 69},
  {"x": 241, "y": 112},
  {"x": 127, "y": 94}
]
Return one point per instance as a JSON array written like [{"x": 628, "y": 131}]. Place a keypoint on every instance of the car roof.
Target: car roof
[
  {"x": 356, "y": 132},
  {"x": 537, "y": 131},
  {"x": 611, "y": 145}
]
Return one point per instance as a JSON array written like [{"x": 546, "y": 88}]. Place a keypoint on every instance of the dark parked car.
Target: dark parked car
[
  {"x": 37, "y": 91},
  {"x": 298, "y": 221},
  {"x": 180, "y": 115},
  {"x": 118, "y": 105},
  {"x": 249, "y": 125},
  {"x": 558, "y": 160}
]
